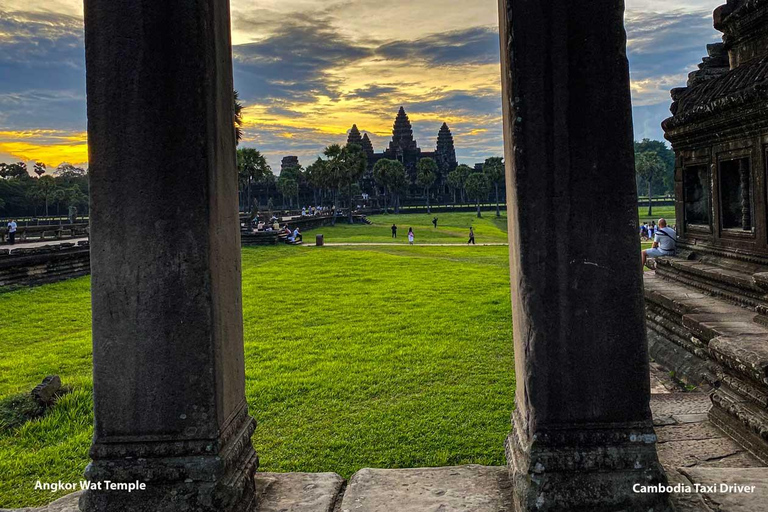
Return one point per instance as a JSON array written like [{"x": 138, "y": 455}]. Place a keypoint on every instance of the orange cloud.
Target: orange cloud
[{"x": 51, "y": 147}]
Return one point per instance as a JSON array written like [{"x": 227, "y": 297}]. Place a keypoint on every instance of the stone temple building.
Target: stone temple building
[
  {"x": 707, "y": 308},
  {"x": 289, "y": 162},
  {"x": 403, "y": 147}
]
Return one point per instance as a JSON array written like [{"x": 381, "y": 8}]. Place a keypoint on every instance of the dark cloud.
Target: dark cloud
[
  {"x": 372, "y": 91},
  {"x": 478, "y": 45},
  {"x": 293, "y": 64},
  {"x": 42, "y": 62},
  {"x": 462, "y": 103},
  {"x": 667, "y": 43}
]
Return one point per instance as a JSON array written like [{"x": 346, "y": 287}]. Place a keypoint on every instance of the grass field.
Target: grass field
[
  {"x": 451, "y": 228},
  {"x": 390, "y": 356},
  {"x": 355, "y": 357}
]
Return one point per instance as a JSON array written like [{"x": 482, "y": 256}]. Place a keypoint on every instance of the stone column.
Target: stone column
[
  {"x": 169, "y": 373},
  {"x": 582, "y": 430}
]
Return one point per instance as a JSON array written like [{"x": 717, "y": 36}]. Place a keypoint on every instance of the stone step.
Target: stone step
[
  {"x": 732, "y": 336},
  {"x": 738, "y": 282}
]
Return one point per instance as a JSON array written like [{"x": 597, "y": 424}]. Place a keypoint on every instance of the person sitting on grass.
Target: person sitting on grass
[{"x": 664, "y": 243}]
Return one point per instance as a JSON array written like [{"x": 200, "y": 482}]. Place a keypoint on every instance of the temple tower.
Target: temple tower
[
  {"x": 367, "y": 146},
  {"x": 445, "y": 155},
  {"x": 354, "y": 136},
  {"x": 289, "y": 162},
  {"x": 402, "y": 134}
]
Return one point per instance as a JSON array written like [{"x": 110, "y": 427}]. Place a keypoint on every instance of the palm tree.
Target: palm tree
[
  {"x": 238, "y": 118},
  {"x": 426, "y": 176},
  {"x": 252, "y": 167},
  {"x": 478, "y": 186},
  {"x": 494, "y": 169}
]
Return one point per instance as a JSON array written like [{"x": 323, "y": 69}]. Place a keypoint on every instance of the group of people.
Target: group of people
[
  {"x": 274, "y": 225},
  {"x": 434, "y": 223},
  {"x": 648, "y": 231},
  {"x": 311, "y": 211}
]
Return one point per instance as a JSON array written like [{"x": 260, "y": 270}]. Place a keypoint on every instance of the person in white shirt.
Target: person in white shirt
[
  {"x": 664, "y": 243},
  {"x": 12, "y": 232}
]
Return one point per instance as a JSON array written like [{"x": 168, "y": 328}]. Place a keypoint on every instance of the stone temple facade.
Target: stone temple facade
[
  {"x": 403, "y": 147},
  {"x": 707, "y": 308}
]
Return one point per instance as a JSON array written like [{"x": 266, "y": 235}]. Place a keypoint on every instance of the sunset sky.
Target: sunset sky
[{"x": 307, "y": 70}]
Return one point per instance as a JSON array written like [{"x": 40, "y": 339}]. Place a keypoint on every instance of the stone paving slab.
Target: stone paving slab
[
  {"x": 452, "y": 489},
  {"x": 66, "y": 504},
  {"x": 679, "y": 403},
  {"x": 297, "y": 492},
  {"x": 733, "y": 500}
]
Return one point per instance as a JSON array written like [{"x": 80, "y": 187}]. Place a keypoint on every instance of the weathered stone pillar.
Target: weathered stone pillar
[
  {"x": 582, "y": 429},
  {"x": 169, "y": 373}
]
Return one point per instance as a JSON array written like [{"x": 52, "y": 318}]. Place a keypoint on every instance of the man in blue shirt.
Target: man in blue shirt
[{"x": 664, "y": 242}]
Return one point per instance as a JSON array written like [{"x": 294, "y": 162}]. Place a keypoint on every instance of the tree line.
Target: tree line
[
  {"x": 340, "y": 176},
  {"x": 59, "y": 191}
]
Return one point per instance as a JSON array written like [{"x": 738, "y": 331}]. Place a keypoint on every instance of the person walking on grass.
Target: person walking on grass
[
  {"x": 434, "y": 222},
  {"x": 471, "y": 236},
  {"x": 12, "y": 232},
  {"x": 394, "y": 231},
  {"x": 410, "y": 236}
]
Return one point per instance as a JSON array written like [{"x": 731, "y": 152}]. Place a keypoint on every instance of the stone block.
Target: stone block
[
  {"x": 45, "y": 392},
  {"x": 297, "y": 492},
  {"x": 735, "y": 499},
  {"x": 449, "y": 489}
]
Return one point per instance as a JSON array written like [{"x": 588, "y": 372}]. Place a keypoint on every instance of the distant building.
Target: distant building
[
  {"x": 289, "y": 162},
  {"x": 404, "y": 148}
]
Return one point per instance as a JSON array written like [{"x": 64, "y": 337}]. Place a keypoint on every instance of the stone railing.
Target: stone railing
[
  {"x": 41, "y": 233},
  {"x": 41, "y": 265}
]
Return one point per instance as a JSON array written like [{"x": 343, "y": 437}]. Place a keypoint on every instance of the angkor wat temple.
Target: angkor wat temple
[{"x": 404, "y": 148}]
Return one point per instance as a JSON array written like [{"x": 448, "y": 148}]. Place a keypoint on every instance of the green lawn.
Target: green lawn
[
  {"x": 390, "y": 356},
  {"x": 451, "y": 228},
  {"x": 355, "y": 357},
  {"x": 666, "y": 212}
]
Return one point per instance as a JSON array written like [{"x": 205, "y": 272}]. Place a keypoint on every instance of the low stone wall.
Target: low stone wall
[
  {"x": 41, "y": 265},
  {"x": 41, "y": 233}
]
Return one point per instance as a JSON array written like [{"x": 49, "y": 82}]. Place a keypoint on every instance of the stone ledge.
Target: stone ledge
[{"x": 449, "y": 489}]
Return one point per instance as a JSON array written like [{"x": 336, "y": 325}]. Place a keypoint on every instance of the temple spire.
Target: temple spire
[
  {"x": 367, "y": 146},
  {"x": 445, "y": 154},
  {"x": 402, "y": 133},
  {"x": 354, "y": 136}
]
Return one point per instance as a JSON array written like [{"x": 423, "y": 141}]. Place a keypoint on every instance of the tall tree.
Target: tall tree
[
  {"x": 648, "y": 166},
  {"x": 44, "y": 190},
  {"x": 478, "y": 186},
  {"x": 494, "y": 169},
  {"x": 252, "y": 167},
  {"x": 391, "y": 175},
  {"x": 664, "y": 182},
  {"x": 355, "y": 162},
  {"x": 16, "y": 170},
  {"x": 288, "y": 188},
  {"x": 39, "y": 168},
  {"x": 462, "y": 173},
  {"x": 238, "y": 118},
  {"x": 426, "y": 174}
]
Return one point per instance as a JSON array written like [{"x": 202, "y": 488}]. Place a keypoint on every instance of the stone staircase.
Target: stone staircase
[{"x": 708, "y": 323}]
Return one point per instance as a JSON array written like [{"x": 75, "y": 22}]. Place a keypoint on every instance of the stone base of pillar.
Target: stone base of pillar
[
  {"x": 195, "y": 476},
  {"x": 585, "y": 468}
]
